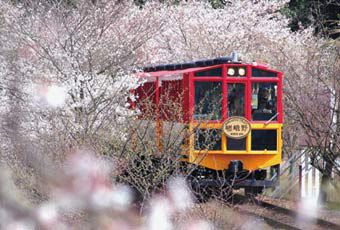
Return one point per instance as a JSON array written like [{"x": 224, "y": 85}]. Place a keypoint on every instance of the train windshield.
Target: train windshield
[
  {"x": 236, "y": 99},
  {"x": 264, "y": 101},
  {"x": 208, "y": 101}
]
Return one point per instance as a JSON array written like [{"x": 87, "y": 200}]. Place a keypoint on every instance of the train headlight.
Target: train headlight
[
  {"x": 231, "y": 71},
  {"x": 242, "y": 71}
]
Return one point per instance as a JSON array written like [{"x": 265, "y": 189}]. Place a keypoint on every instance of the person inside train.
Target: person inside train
[{"x": 266, "y": 103}]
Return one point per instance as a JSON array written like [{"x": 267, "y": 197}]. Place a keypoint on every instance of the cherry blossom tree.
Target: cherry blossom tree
[
  {"x": 67, "y": 73},
  {"x": 67, "y": 76}
]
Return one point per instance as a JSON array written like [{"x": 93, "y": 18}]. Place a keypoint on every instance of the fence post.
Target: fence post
[
  {"x": 300, "y": 181},
  {"x": 306, "y": 167}
]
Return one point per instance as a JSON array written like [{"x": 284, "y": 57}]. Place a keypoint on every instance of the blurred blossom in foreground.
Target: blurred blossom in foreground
[
  {"x": 56, "y": 95},
  {"x": 118, "y": 198},
  {"x": 47, "y": 213},
  {"x": 163, "y": 209},
  {"x": 160, "y": 214},
  {"x": 82, "y": 195},
  {"x": 21, "y": 225},
  {"x": 85, "y": 187},
  {"x": 53, "y": 95},
  {"x": 89, "y": 184},
  {"x": 180, "y": 193}
]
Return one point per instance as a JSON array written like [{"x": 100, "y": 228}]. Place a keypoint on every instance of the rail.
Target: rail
[{"x": 290, "y": 214}]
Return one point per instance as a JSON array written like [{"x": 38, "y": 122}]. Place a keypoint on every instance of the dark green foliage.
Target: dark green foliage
[
  {"x": 300, "y": 13},
  {"x": 217, "y": 3},
  {"x": 323, "y": 15}
]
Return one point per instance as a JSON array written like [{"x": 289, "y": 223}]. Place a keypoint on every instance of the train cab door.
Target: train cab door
[{"x": 236, "y": 106}]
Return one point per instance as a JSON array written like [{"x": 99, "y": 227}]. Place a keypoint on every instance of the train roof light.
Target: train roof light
[
  {"x": 242, "y": 71},
  {"x": 231, "y": 71}
]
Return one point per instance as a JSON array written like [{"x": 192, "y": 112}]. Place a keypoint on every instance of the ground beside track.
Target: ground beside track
[
  {"x": 276, "y": 215},
  {"x": 248, "y": 215},
  {"x": 327, "y": 215}
]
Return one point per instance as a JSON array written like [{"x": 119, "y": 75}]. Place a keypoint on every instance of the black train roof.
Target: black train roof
[{"x": 187, "y": 65}]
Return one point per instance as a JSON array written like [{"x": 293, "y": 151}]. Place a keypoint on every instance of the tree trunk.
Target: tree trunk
[{"x": 325, "y": 182}]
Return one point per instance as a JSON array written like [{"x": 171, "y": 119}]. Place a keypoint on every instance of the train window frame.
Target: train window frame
[
  {"x": 244, "y": 98},
  {"x": 272, "y": 116},
  {"x": 219, "y": 142},
  {"x": 248, "y": 80},
  {"x": 220, "y": 115},
  {"x": 278, "y": 117},
  {"x": 265, "y": 150},
  {"x": 229, "y": 150},
  {"x": 263, "y": 73},
  {"x": 210, "y": 73},
  {"x": 236, "y": 79}
]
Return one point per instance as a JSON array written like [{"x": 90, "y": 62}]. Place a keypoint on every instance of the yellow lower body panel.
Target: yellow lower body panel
[
  {"x": 219, "y": 160},
  {"x": 250, "y": 161}
]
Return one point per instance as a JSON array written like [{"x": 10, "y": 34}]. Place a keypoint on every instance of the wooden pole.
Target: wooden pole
[
  {"x": 159, "y": 122},
  {"x": 306, "y": 174},
  {"x": 300, "y": 180}
]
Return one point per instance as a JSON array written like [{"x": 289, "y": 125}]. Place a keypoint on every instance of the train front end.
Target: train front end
[
  {"x": 232, "y": 113},
  {"x": 235, "y": 122}
]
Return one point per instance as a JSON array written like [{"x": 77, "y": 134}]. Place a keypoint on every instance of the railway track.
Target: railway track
[
  {"x": 270, "y": 221},
  {"x": 278, "y": 217}
]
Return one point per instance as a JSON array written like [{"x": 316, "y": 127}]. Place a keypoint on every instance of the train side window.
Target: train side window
[
  {"x": 236, "y": 144},
  {"x": 236, "y": 93},
  {"x": 216, "y": 72},
  {"x": 264, "y": 139},
  {"x": 255, "y": 72},
  {"x": 264, "y": 101},
  {"x": 208, "y": 101},
  {"x": 208, "y": 139}
]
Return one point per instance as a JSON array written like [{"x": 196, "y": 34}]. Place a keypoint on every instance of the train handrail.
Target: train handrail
[{"x": 272, "y": 118}]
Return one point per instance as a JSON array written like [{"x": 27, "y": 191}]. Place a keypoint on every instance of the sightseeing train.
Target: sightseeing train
[{"x": 232, "y": 116}]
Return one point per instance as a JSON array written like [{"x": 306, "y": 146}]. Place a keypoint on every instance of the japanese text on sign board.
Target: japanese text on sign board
[{"x": 236, "y": 127}]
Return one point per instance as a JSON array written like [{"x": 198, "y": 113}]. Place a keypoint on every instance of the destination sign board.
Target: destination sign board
[{"x": 236, "y": 127}]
